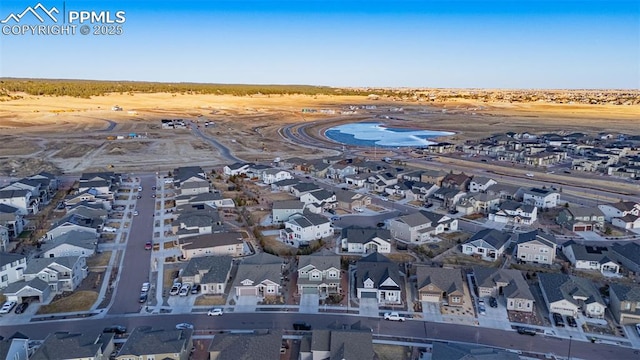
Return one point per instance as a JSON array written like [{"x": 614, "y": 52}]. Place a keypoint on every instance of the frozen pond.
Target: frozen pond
[{"x": 376, "y": 134}]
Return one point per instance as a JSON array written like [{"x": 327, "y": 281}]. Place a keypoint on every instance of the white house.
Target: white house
[
  {"x": 488, "y": 244},
  {"x": 421, "y": 227},
  {"x": 270, "y": 176},
  {"x": 542, "y": 198},
  {"x": 284, "y": 209},
  {"x": 366, "y": 240},
  {"x": 259, "y": 276},
  {"x": 512, "y": 212},
  {"x": 588, "y": 257},
  {"x": 11, "y": 268},
  {"x": 378, "y": 277},
  {"x": 62, "y": 274},
  {"x": 19, "y": 199},
  {"x": 619, "y": 209},
  {"x": 304, "y": 228},
  {"x": 535, "y": 247},
  {"x": 357, "y": 180},
  {"x": 236, "y": 169},
  {"x": 628, "y": 222},
  {"x": 319, "y": 273},
  {"x": 73, "y": 243},
  {"x": 321, "y": 197},
  {"x": 567, "y": 295},
  {"x": 480, "y": 184}
]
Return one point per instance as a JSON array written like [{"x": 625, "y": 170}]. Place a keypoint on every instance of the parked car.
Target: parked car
[
  {"x": 380, "y": 224},
  {"x": 493, "y": 302},
  {"x": 299, "y": 325},
  {"x": 557, "y": 319},
  {"x": 638, "y": 328},
  {"x": 195, "y": 289},
  {"x": 145, "y": 287},
  {"x": 384, "y": 198},
  {"x": 184, "y": 290},
  {"x": 482, "y": 310},
  {"x": 136, "y": 213},
  {"x": 148, "y": 245},
  {"x": 153, "y": 188},
  {"x": 143, "y": 298},
  {"x": 21, "y": 307},
  {"x": 526, "y": 331},
  {"x": 7, "y": 307},
  {"x": 571, "y": 321},
  {"x": 175, "y": 289},
  {"x": 183, "y": 326},
  {"x": 116, "y": 329},
  {"x": 215, "y": 312},
  {"x": 393, "y": 316}
]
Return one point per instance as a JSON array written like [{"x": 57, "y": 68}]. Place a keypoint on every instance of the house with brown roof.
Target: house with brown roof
[
  {"x": 155, "y": 343},
  {"x": 224, "y": 243},
  {"x": 440, "y": 285},
  {"x": 257, "y": 345},
  {"x": 625, "y": 302},
  {"x": 456, "y": 181}
]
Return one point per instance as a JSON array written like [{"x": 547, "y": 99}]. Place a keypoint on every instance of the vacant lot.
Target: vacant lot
[
  {"x": 99, "y": 261},
  {"x": 77, "y": 301}
]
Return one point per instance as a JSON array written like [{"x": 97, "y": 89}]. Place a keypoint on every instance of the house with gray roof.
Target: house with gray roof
[
  {"x": 505, "y": 191},
  {"x": 155, "y": 343},
  {"x": 11, "y": 268},
  {"x": 61, "y": 273},
  {"x": 210, "y": 272},
  {"x": 212, "y": 199},
  {"x": 440, "y": 285},
  {"x": 270, "y": 176},
  {"x": 75, "y": 222},
  {"x": 12, "y": 220},
  {"x": 15, "y": 348},
  {"x": 21, "y": 200},
  {"x": 282, "y": 210},
  {"x": 411, "y": 228},
  {"x": 236, "y": 169},
  {"x": 326, "y": 199},
  {"x": 303, "y": 228},
  {"x": 284, "y": 185},
  {"x": 319, "y": 273},
  {"x": 629, "y": 255},
  {"x": 620, "y": 209},
  {"x": 221, "y": 243},
  {"x": 457, "y": 351},
  {"x": 195, "y": 220},
  {"x": 474, "y": 203},
  {"x": 302, "y": 188},
  {"x": 352, "y": 344},
  {"x": 625, "y": 302},
  {"x": 379, "y": 278},
  {"x": 447, "y": 197},
  {"x": 591, "y": 257},
  {"x": 246, "y": 346},
  {"x": 513, "y": 212},
  {"x": 480, "y": 184},
  {"x": 34, "y": 289},
  {"x": 72, "y": 243},
  {"x": 349, "y": 200},
  {"x": 359, "y": 240},
  {"x": 103, "y": 183},
  {"x": 66, "y": 345},
  {"x": 259, "y": 276},
  {"x": 487, "y": 244},
  {"x": 581, "y": 218},
  {"x": 568, "y": 295},
  {"x": 505, "y": 282},
  {"x": 535, "y": 247},
  {"x": 541, "y": 198}
]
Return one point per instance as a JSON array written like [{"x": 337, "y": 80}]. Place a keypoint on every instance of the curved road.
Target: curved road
[{"x": 224, "y": 151}]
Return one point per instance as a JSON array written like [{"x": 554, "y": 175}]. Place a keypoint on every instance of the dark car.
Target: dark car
[
  {"x": 571, "y": 321},
  {"x": 428, "y": 205},
  {"x": 299, "y": 325},
  {"x": 453, "y": 211},
  {"x": 557, "y": 319},
  {"x": 380, "y": 224},
  {"x": 21, "y": 308},
  {"x": 526, "y": 331},
  {"x": 195, "y": 289},
  {"x": 116, "y": 329},
  {"x": 493, "y": 302},
  {"x": 143, "y": 297}
]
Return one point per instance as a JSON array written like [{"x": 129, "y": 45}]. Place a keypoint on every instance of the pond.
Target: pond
[{"x": 376, "y": 134}]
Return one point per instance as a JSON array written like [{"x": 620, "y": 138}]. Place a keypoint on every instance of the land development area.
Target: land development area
[{"x": 223, "y": 222}]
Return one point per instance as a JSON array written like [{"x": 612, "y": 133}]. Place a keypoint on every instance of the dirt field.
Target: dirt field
[{"x": 64, "y": 134}]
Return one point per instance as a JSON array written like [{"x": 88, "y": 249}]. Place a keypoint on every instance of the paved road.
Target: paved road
[
  {"x": 405, "y": 330},
  {"x": 224, "y": 151},
  {"x": 135, "y": 267}
]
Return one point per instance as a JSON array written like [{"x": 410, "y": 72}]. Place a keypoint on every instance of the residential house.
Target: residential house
[
  {"x": 270, "y": 176},
  {"x": 512, "y": 212},
  {"x": 15, "y": 347},
  {"x": 146, "y": 342},
  {"x": 542, "y": 198},
  {"x": 588, "y": 257},
  {"x": 535, "y": 247},
  {"x": 303, "y": 228},
  {"x": 319, "y": 273},
  {"x": 487, "y": 244},
  {"x": 284, "y": 185},
  {"x": 195, "y": 220},
  {"x": 570, "y": 295},
  {"x": 366, "y": 240},
  {"x": 303, "y": 188},
  {"x": 263, "y": 344},
  {"x": 380, "y": 181},
  {"x": 39, "y": 196},
  {"x": 579, "y": 219},
  {"x": 456, "y": 181},
  {"x": 420, "y": 227},
  {"x": 628, "y": 254},
  {"x": 236, "y": 169},
  {"x": 474, "y": 203},
  {"x": 433, "y": 176},
  {"x": 103, "y": 183},
  {"x": 506, "y": 192},
  {"x": 72, "y": 243},
  {"x": 357, "y": 180},
  {"x": 506, "y": 282},
  {"x": 629, "y": 222},
  {"x": 87, "y": 197},
  {"x": 21, "y": 200},
  {"x": 321, "y": 198},
  {"x": 78, "y": 346},
  {"x": 422, "y": 191},
  {"x": 624, "y": 302},
  {"x": 378, "y": 277},
  {"x": 222, "y": 243},
  {"x": 190, "y": 181},
  {"x": 402, "y": 189},
  {"x": 61, "y": 273},
  {"x": 480, "y": 184},
  {"x": 32, "y": 290},
  {"x": 353, "y": 343},
  {"x": 447, "y": 197},
  {"x": 260, "y": 276},
  {"x": 4, "y": 238},
  {"x": 340, "y": 171},
  {"x": 210, "y": 272},
  {"x": 75, "y": 222},
  {"x": 461, "y": 351},
  {"x": 11, "y": 268},
  {"x": 319, "y": 168},
  {"x": 440, "y": 148},
  {"x": 350, "y": 200},
  {"x": 12, "y": 219},
  {"x": 440, "y": 285},
  {"x": 284, "y": 209}
]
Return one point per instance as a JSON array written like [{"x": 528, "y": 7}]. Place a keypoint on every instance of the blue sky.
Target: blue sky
[{"x": 426, "y": 43}]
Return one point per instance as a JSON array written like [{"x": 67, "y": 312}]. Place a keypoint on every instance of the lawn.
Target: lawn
[
  {"x": 391, "y": 352},
  {"x": 77, "y": 301},
  {"x": 401, "y": 257},
  {"x": 277, "y": 246},
  {"x": 210, "y": 300},
  {"x": 99, "y": 260},
  {"x": 169, "y": 245}
]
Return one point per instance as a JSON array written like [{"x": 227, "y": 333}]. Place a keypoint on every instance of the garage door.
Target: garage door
[
  {"x": 430, "y": 298},
  {"x": 247, "y": 291},
  {"x": 579, "y": 228}
]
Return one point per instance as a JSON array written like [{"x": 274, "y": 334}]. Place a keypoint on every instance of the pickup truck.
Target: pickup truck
[{"x": 393, "y": 316}]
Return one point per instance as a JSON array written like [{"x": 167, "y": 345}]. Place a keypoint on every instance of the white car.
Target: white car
[
  {"x": 215, "y": 312},
  {"x": 175, "y": 289},
  {"x": 384, "y": 198},
  {"x": 184, "y": 290},
  {"x": 145, "y": 287},
  {"x": 135, "y": 213},
  {"x": 183, "y": 326},
  {"x": 7, "y": 307},
  {"x": 393, "y": 316}
]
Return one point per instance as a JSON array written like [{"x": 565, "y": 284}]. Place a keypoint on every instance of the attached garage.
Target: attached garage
[
  {"x": 430, "y": 298},
  {"x": 250, "y": 291},
  {"x": 31, "y": 290}
]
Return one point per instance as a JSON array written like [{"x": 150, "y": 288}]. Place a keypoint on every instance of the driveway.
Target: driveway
[
  {"x": 431, "y": 311},
  {"x": 246, "y": 303},
  {"x": 309, "y": 303},
  {"x": 590, "y": 236},
  {"x": 496, "y": 318},
  {"x": 369, "y": 307},
  {"x": 181, "y": 304}
]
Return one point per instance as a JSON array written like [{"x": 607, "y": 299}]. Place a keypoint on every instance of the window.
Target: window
[
  {"x": 5, "y": 278},
  {"x": 455, "y": 299}
]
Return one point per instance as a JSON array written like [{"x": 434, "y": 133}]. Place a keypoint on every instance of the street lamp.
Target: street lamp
[{"x": 569, "y": 355}]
